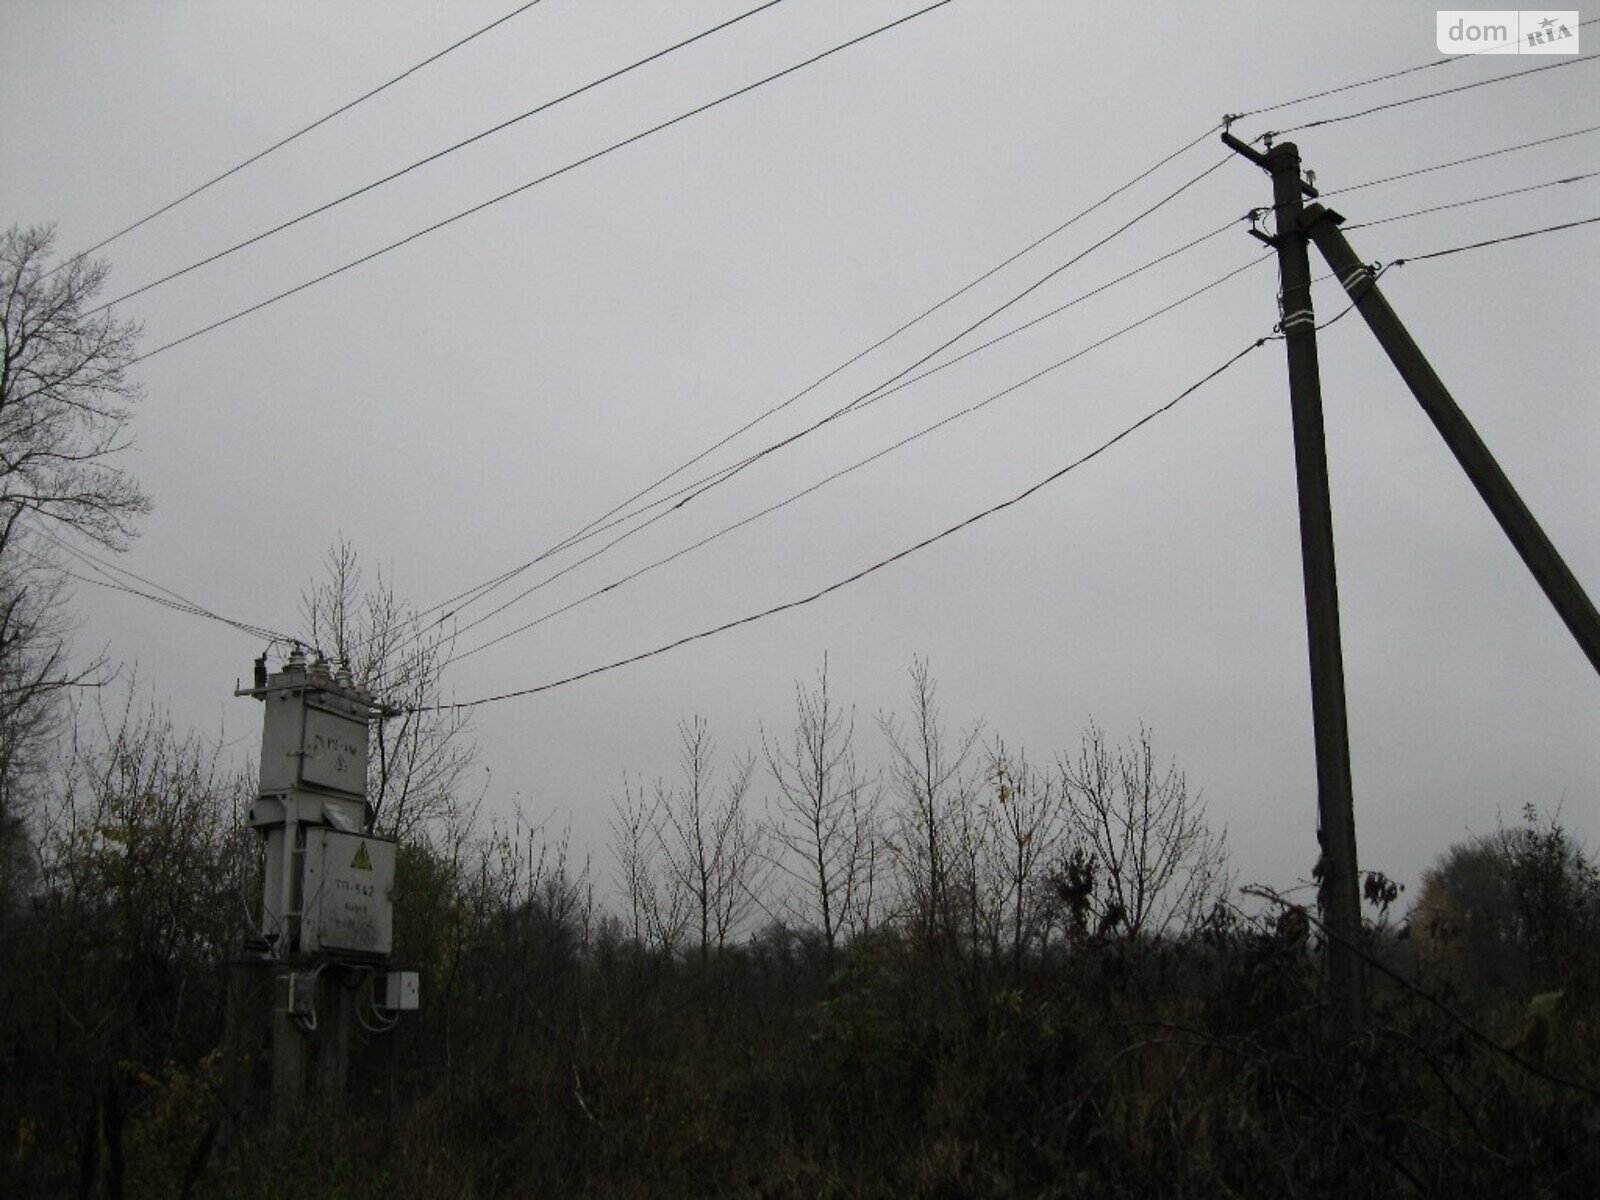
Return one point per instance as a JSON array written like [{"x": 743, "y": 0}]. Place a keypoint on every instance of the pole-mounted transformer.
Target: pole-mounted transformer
[
  {"x": 320, "y": 960},
  {"x": 328, "y": 878}
]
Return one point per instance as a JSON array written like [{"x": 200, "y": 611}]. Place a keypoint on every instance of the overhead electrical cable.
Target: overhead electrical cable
[
  {"x": 320, "y": 121},
  {"x": 716, "y": 476},
  {"x": 422, "y": 162},
  {"x": 1456, "y": 162},
  {"x": 110, "y": 583},
  {"x": 1465, "y": 87},
  {"x": 1346, "y": 87},
  {"x": 692, "y": 491},
  {"x": 115, "y": 576},
  {"x": 1532, "y": 187},
  {"x": 840, "y": 584},
  {"x": 259, "y": 632},
  {"x": 684, "y": 495},
  {"x": 95, "y": 561},
  {"x": 866, "y": 397},
  {"x": 532, "y": 183},
  {"x": 457, "y": 657},
  {"x": 863, "y": 399},
  {"x": 839, "y": 474},
  {"x": 872, "y": 458},
  {"x": 1334, "y": 91},
  {"x": 1510, "y": 237},
  {"x": 598, "y": 524}
]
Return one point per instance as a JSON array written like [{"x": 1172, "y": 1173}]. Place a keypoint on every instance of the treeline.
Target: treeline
[
  {"x": 965, "y": 973},
  {"x": 961, "y": 841}
]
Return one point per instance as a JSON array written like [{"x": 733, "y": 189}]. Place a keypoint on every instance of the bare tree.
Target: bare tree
[
  {"x": 935, "y": 796},
  {"x": 708, "y": 844},
  {"x": 65, "y": 401},
  {"x": 424, "y": 756},
  {"x": 65, "y": 396},
  {"x": 1157, "y": 864},
  {"x": 634, "y": 846},
  {"x": 34, "y": 671},
  {"x": 1026, "y": 819},
  {"x": 825, "y": 828}
]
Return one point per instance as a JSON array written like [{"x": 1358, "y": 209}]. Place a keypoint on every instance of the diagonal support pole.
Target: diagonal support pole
[{"x": 1560, "y": 586}]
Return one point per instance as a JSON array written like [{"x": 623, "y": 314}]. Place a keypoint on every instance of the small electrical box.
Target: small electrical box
[
  {"x": 348, "y": 908},
  {"x": 397, "y": 991},
  {"x": 298, "y": 994}
]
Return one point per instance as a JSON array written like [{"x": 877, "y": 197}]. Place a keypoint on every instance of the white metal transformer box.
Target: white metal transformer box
[
  {"x": 321, "y": 743},
  {"x": 349, "y": 884}
]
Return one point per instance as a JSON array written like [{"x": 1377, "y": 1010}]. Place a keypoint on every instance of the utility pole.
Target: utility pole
[
  {"x": 1560, "y": 586},
  {"x": 1338, "y": 889}
]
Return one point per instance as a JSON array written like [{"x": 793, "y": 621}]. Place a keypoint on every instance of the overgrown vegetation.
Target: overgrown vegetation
[{"x": 1025, "y": 1008}]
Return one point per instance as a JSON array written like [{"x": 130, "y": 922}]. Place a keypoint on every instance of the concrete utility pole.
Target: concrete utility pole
[
  {"x": 1538, "y": 554},
  {"x": 1339, "y": 892}
]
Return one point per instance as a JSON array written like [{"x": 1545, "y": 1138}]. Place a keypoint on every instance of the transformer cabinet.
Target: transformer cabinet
[{"x": 320, "y": 961}]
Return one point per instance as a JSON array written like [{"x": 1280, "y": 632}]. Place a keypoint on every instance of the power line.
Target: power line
[
  {"x": 1465, "y": 87},
  {"x": 99, "y": 563},
  {"x": 694, "y": 490},
  {"x": 278, "y": 145},
  {"x": 600, "y": 524},
  {"x": 1510, "y": 237},
  {"x": 860, "y": 463},
  {"x": 939, "y": 424},
  {"x": 866, "y": 571},
  {"x": 495, "y": 582},
  {"x": 421, "y": 162},
  {"x": 1456, "y": 162},
  {"x": 872, "y": 458},
  {"x": 172, "y": 599},
  {"x": 866, "y": 397},
  {"x": 477, "y": 208},
  {"x": 1334, "y": 91},
  {"x": 1532, "y": 187},
  {"x": 260, "y": 632},
  {"x": 640, "y": 528}
]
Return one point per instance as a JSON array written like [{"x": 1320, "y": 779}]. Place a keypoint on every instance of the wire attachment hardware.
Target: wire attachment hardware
[{"x": 1255, "y": 216}]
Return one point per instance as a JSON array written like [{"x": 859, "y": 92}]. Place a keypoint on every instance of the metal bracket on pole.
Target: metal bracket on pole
[{"x": 1262, "y": 161}]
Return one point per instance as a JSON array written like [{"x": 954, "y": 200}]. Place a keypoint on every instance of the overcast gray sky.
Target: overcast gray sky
[{"x": 457, "y": 406}]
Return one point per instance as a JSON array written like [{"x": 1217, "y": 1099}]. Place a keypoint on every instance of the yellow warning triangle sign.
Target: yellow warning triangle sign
[{"x": 361, "y": 862}]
